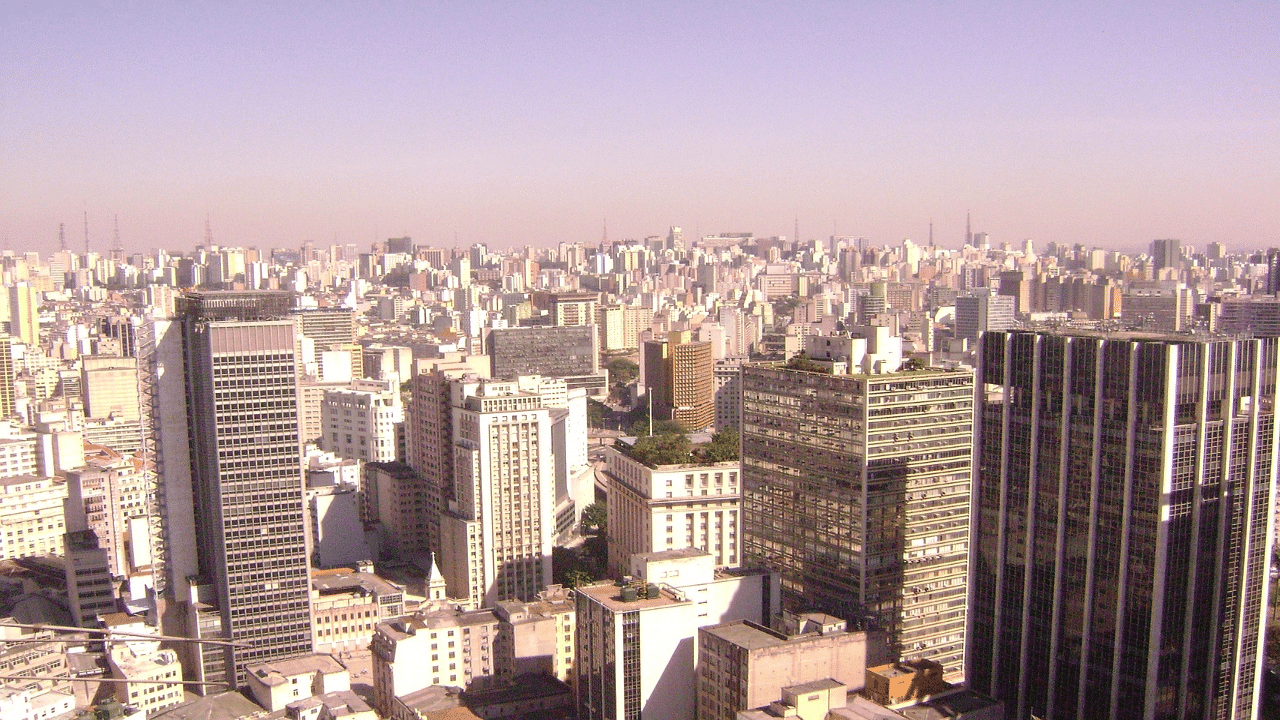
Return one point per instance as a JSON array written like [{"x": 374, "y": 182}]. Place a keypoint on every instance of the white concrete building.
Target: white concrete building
[
  {"x": 31, "y": 516},
  {"x": 365, "y": 422},
  {"x": 276, "y": 684},
  {"x": 148, "y": 696},
  {"x": 636, "y": 642},
  {"x": 669, "y": 507},
  {"x": 498, "y": 532}
]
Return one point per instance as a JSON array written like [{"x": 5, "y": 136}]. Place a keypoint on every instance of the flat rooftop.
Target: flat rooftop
[{"x": 610, "y": 596}]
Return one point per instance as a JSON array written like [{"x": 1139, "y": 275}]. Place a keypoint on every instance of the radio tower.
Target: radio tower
[
  {"x": 62, "y": 237},
  {"x": 208, "y": 232},
  {"x": 86, "y": 233},
  {"x": 117, "y": 250}
]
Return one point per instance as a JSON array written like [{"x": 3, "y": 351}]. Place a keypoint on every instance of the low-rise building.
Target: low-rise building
[
  {"x": 347, "y": 607},
  {"x": 154, "y": 679},
  {"x": 274, "y": 685},
  {"x": 636, "y": 639},
  {"x": 743, "y": 665},
  {"x": 444, "y": 646},
  {"x": 537, "y": 637}
]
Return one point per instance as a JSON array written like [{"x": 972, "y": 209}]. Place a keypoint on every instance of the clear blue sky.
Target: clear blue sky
[{"x": 512, "y": 123}]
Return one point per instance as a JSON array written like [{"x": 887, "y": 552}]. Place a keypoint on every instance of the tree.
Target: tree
[
  {"x": 595, "y": 413},
  {"x": 668, "y": 449},
  {"x": 577, "y": 578},
  {"x": 622, "y": 371},
  {"x": 595, "y": 519},
  {"x": 725, "y": 445}
]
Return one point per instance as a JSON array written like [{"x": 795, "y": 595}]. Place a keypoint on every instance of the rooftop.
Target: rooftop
[
  {"x": 610, "y": 596},
  {"x": 276, "y": 672}
]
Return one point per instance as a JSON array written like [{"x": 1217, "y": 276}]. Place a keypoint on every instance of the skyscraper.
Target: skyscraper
[
  {"x": 856, "y": 489},
  {"x": 241, "y": 362},
  {"x": 497, "y": 534},
  {"x": 1166, "y": 253},
  {"x": 1122, "y": 524}
]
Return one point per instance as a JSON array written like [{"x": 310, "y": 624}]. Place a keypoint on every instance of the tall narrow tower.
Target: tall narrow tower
[{"x": 242, "y": 368}]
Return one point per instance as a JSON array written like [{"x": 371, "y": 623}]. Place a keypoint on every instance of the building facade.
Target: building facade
[
  {"x": 246, "y": 465},
  {"x": 679, "y": 374},
  {"x": 856, "y": 489},
  {"x": 364, "y": 422},
  {"x": 1123, "y": 524},
  {"x": 670, "y": 507}
]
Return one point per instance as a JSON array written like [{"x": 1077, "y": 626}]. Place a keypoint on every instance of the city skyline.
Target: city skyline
[{"x": 529, "y": 125}]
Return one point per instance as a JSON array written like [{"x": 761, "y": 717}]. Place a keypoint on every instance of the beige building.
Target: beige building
[
  {"x": 104, "y": 495},
  {"x": 498, "y": 531},
  {"x": 537, "y": 637},
  {"x": 18, "y": 455},
  {"x": 274, "y": 685},
  {"x": 679, "y": 374},
  {"x": 394, "y": 496},
  {"x": 31, "y": 516},
  {"x": 364, "y": 422},
  {"x": 348, "y": 606},
  {"x": 574, "y": 308},
  {"x": 742, "y": 665},
  {"x": 109, "y": 386},
  {"x": 143, "y": 669},
  {"x": 668, "y": 507},
  {"x": 445, "y": 646}
]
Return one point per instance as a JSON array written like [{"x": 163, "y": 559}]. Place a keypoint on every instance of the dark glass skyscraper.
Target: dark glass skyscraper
[
  {"x": 241, "y": 364},
  {"x": 1122, "y": 524}
]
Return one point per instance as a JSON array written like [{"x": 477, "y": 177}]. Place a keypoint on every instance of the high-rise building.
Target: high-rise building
[
  {"x": 241, "y": 362},
  {"x": 364, "y": 422},
  {"x": 1122, "y": 524},
  {"x": 653, "y": 508},
  {"x": 109, "y": 386},
  {"x": 1166, "y": 253},
  {"x": 6, "y": 376},
  {"x": 982, "y": 312},
  {"x": 679, "y": 373},
  {"x": 856, "y": 482},
  {"x": 24, "y": 313},
  {"x": 497, "y": 533}
]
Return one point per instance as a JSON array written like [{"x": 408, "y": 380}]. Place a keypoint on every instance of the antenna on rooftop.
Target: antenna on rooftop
[{"x": 117, "y": 250}]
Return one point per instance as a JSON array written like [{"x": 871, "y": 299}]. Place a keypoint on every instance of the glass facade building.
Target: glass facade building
[{"x": 1122, "y": 524}]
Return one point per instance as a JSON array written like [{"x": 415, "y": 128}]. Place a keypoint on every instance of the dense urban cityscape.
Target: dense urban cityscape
[{"x": 718, "y": 477}]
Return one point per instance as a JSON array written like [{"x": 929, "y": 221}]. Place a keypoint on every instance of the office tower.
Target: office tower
[
  {"x": 982, "y": 312},
  {"x": 1016, "y": 284},
  {"x": 246, "y": 467},
  {"x": 635, "y": 657},
  {"x": 6, "y": 376},
  {"x": 680, "y": 375},
  {"x": 856, "y": 488},
  {"x": 1122, "y": 524},
  {"x": 675, "y": 240},
  {"x": 1254, "y": 316},
  {"x": 24, "y": 313},
  {"x": 574, "y": 308},
  {"x": 727, "y": 374},
  {"x": 106, "y": 496},
  {"x": 430, "y": 432},
  {"x": 364, "y": 422},
  {"x": 109, "y": 387},
  {"x": 394, "y": 498},
  {"x": 1166, "y": 253},
  {"x": 497, "y": 532},
  {"x": 1158, "y": 306},
  {"x": 562, "y": 352},
  {"x": 90, "y": 590}
]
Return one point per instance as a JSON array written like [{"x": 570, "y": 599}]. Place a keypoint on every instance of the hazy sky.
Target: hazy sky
[{"x": 1104, "y": 123}]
